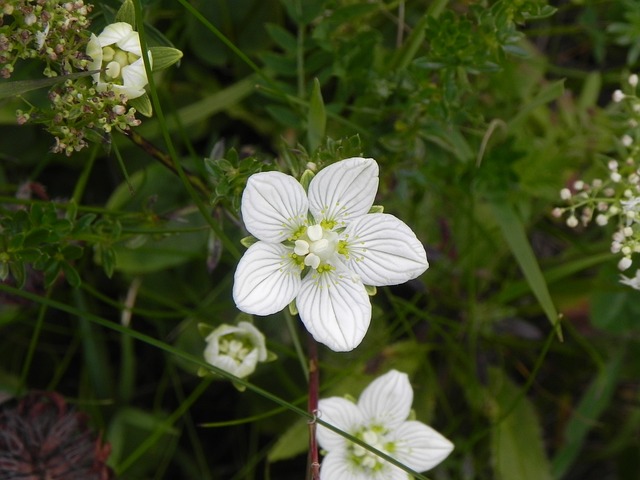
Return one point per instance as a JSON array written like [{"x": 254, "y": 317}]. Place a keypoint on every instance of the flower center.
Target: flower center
[
  {"x": 316, "y": 246},
  {"x": 234, "y": 348},
  {"x": 365, "y": 459},
  {"x": 114, "y": 59}
]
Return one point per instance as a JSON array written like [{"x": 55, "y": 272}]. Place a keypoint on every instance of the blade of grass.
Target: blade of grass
[{"x": 514, "y": 233}]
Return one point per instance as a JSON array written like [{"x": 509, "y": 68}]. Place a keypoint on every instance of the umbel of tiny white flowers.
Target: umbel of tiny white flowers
[
  {"x": 320, "y": 248},
  {"x": 117, "y": 52},
  {"x": 236, "y": 349},
  {"x": 380, "y": 419}
]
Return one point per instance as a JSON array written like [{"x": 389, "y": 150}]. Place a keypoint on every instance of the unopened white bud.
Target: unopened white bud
[
  {"x": 628, "y": 231},
  {"x": 572, "y": 221},
  {"x": 602, "y": 220},
  {"x": 578, "y": 185},
  {"x": 618, "y": 96},
  {"x": 615, "y": 177},
  {"x": 624, "y": 263},
  {"x": 626, "y": 140},
  {"x": 565, "y": 194},
  {"x": 633, "y": 80}
]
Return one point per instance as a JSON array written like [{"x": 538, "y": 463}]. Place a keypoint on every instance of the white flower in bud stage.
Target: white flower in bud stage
[
  {"x": 321, "y": 248},
  {"x": 117, "y": 52},
  {"x": 380, "y": 420},
  {"x": 236, "y": 349}
]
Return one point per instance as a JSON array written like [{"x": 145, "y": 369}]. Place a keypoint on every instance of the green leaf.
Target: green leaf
[
  {"x": 292, "y": 443},
  {"x": 282, "y": 37},
  {"x": 18, "y": 87},
  {"x": 516, "y": 440},
  {"x": 596, "y": 399},
  {"x": 127, "y": 13},
  {"x": 142, "y": 104},
  {"x": 71, "y": 275},
  {"x": 164, "y": 57},
  {"x": 515, "y": 235},
  {"x": 317, "y": 119}
]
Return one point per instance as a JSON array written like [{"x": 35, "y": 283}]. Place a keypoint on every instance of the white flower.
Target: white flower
[
  {"x": 236, "y": 349},
  {"x": 321, "y": 249},
  {"x": 117, "y": 52},
  {"x": 618, "y": 96},
  {"x": 379, "y": 419},
  {"x": 631, "y": 282},
  {"x": 624, "y": 263}
]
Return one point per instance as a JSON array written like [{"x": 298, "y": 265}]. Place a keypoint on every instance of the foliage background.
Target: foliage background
[{"x": 478, "y": 113}]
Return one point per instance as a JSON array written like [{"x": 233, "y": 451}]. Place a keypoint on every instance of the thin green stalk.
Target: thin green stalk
[
  {"x": 33, "y": 343},
  {"x": 293, "y": 331},
  {"x": 81, "y": 185},
  {"x": 164, "y": 426}
]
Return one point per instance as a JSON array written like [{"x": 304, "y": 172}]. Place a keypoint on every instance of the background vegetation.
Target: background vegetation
[{"x": 478, "y": 113}]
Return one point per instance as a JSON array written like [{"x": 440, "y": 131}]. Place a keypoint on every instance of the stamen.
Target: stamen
[
  {"x": 301, "y": 248},
  {"x": 314, "y": 232},
  {"x": 312, "y": 260}
]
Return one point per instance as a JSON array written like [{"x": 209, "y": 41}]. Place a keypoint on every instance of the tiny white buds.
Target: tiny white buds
[
  {"x": 626, "y": 140},
  {"x": 633, "y": 80},
  {"x": 602, "y": 220},
  {"x": 618, "y": 96},
  {"x": 565, "y": 194},
  {"x": 572, "y": 221}
]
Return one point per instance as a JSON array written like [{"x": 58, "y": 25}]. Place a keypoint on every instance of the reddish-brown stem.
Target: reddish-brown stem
[{"x": 312, "y": 405}]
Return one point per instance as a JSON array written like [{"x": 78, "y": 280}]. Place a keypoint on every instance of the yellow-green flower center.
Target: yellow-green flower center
[
  {"x": 316, "y": 246},
  {"x": 234, "y": 347},
  {"x": 114, "y": 59},
  {"x": 365, "y": 459}
]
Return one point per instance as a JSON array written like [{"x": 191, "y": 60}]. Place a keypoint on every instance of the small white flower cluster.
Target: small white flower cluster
[{"x": 616, "y": 196}]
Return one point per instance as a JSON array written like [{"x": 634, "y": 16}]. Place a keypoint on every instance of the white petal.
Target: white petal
[
  {"x": 383, "y": 250},
  {"x": 419, "y": 446},
  {"x": 344, "y": 190},
  {"x": 341, "y": 413},
  {"x": 114, "y": 32},
  {"x": 94, "y": 50},
  {"x": 134, "y": 77},
  {"x": 131, "y": 43},
  {"x": 274, "y": 205},
  {"x": 336, "y": 466},
  {"x": 387, "y": 400},
  {"x": 266, "y": 279},
  {"x": 335, "y": 308}
]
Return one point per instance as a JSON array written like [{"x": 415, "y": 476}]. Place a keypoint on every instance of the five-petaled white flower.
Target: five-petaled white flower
[
  {"x": 117, "y": 52},
  {"x": 380, "y": 420},
  {"x": 321, "y": 248},
  {"x": 236, "y": 349}
]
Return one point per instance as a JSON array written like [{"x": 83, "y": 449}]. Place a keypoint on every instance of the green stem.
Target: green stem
[{"x": 32, "y": 344}]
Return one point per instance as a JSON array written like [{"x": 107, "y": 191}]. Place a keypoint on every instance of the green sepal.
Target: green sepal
[
  {"x": 127, "y": 13},
  {"x": 351, "y": 398},
  {"x": 376, "y": 209},
  {"x": 248, "y": 241},
  {"x": 240, "y": 388},
  {"x": 164, "y": 57},
  {"x": 142, "y": 105},
  {"x": 293, "y": 308},
  {"x": 203, "y": 372},
  {"x": 205, "y": 329},
  {"x": 371, "y": 290},
  {"x": 244, "y": 317},
  {"x": 270, "y": 356},
  {"x": 306, "y": 178}
]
